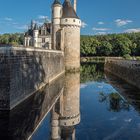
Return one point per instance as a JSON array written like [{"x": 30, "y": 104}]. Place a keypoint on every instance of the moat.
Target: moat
[{"x": 99, "y": 105}]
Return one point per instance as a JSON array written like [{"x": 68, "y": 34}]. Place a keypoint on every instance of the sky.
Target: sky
[{"x": 98, "y": 16}]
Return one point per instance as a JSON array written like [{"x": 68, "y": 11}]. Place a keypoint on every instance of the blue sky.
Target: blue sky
[{"x": 98, "y": 16}]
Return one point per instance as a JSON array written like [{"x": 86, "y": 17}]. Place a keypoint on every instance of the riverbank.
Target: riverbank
[
  {"x": 103, "y": 58},
  {"x": 128, "y": 70}
]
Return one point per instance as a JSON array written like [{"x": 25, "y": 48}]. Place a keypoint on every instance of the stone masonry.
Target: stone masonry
[
  {"x": 128, "y": 70},
  {"x": 25, "y": 70}
]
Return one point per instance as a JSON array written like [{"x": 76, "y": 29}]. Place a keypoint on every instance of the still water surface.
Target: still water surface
[{"x": 91, "y": 105}]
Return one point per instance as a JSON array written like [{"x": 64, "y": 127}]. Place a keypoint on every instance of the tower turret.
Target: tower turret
[
  {"x": 56, "y": 15},
  {"x": 71, "y": 24},
  {"x": 35, "y": 35},
  {"x": 32, "y": 24}
]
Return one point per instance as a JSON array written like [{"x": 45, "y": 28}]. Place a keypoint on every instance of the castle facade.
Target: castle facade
[{"x": 38, "y": 36}]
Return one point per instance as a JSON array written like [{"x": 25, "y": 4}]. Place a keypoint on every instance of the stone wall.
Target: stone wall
[
  {"x": 128, "y": 70},
  {"x": 25, "y": 70}
]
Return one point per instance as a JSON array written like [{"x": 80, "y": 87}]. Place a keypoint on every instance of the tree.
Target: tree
[
  {"x": 105, "y": 49},
  {"x": 121, "y": 45}
]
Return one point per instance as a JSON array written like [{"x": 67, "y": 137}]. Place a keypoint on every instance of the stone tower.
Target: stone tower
[
  {"x": 56, "y": 16},
  {"x": 70, "y": 23},
  {"x": 35, "y": 35}
]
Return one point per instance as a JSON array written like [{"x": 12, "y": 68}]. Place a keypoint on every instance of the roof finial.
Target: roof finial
[
  {"x": 56, "y": 2},
  {"x": 75, "y": 5}
]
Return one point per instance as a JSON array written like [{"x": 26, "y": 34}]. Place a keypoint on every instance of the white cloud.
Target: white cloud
[
  {"x": 83, "y": 24},
  {"x": 100, "y": 29},
  {"x": 39, "y": 22},
  {"x": 22, "y": 27},
  {"x": 132, "y": 30},
  {"x": 42, "y": 17},
  {"x": 46, "y": 18},
  {"x": 101, "y": 23},
  {"x": 8, "y": 19},
  {"x": 121, "y": 22}
]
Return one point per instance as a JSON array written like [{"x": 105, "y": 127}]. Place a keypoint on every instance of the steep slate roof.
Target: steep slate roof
[
  {"x": 36, "y": 27},
  {"x": 68, "y": 10}
]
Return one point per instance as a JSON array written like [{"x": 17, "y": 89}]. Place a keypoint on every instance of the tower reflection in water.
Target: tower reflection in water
[{"x": 65, "y": 115}]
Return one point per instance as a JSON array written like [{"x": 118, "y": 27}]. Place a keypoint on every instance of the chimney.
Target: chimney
[{"x": 75, "y": 5}]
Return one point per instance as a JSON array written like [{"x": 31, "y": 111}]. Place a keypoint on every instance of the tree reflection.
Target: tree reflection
[
  {"x": 90, "y": 72},
  {"x": 114, "y": 101}
]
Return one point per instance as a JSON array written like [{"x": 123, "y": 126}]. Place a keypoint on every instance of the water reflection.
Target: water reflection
[
  {"x": 62, "y": 97},
  {"x": 66, "y": 113},
  {"x": 90, "y": 72},
  {"x": 20, "y": 123},
  {"x": 102, "y": 107},
  {"x": 109, "y": 107},
  {"x": 115, "y": 102},
  {"x": 130, "y": 93}
]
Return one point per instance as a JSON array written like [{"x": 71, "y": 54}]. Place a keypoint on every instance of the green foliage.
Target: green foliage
[
  {"x": 12, "y": 39},
  {"x": 127, "y": 56},
  {"x": 104, "y": 49},
  {"x": 90, "y": 72},
  {"x": 111, "y": 45}
]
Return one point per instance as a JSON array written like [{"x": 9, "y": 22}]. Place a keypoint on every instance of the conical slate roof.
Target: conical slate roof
[
  {"x": 56, "y": 2},
  {"x": 68, "y": 10},
  {"x": 36, "y": 27}
]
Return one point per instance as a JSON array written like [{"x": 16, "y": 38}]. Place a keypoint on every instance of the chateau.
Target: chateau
[{"x": 63, "y": 33}]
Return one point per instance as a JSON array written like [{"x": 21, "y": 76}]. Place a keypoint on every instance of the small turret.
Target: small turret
[
  {"x": 36, "y": 27},
  {"x": 35, "y": 35},
  {"x": 56, "y": 16},
  {"x": 32, "y": 24}
]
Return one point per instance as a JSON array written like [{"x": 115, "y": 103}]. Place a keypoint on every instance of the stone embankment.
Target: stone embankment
[
  {"x": 25, "y": 70},
  {"x": 128, "y": 70}
]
